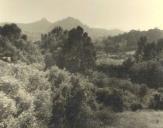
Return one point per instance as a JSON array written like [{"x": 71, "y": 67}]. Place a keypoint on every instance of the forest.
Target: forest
[{"x": 68, "y": 80}]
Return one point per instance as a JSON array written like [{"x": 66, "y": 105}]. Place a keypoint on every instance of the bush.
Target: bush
[
  {"x": 73, "y": 101},
  {"x": 136, "y": 106},
  {"x": 110, "y": 98},
  {"x": 156, "y": 102},
  {"x": 99, "y": 79},
  {"x": 25, "y": 95},
  {"x": 106, "y": 117},
  {"x": 149, "y": 73}
]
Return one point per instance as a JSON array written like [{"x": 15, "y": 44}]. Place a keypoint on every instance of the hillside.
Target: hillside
[
  {"x": 95, "y": 33},
  {"x": 35, "y": 29},
  {"x": 128, "y": 41},
  {"x": 63, "y": 81}
]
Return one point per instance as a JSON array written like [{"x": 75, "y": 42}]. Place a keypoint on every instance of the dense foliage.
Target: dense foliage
[
  {"x": 63, "y": 81},
  {"x": 72, "y": 49},
  {"x": 14, "y": 46}
]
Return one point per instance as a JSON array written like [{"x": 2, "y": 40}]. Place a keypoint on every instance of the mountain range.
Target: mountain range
[{"x": 35, "y": 29}]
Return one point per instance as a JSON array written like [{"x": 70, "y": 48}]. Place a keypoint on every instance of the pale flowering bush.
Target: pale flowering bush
[
  {"x": 25, "y": 96},
  {"x": 7, "y": 105}
]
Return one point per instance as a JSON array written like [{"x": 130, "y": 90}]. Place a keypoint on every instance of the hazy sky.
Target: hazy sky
[{"x": 122, "y": 14}]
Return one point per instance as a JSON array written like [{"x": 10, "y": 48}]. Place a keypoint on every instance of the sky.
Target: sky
[{"x": 108, "y": 14}]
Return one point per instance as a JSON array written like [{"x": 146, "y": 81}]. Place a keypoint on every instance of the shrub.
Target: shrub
[
  {"x": 106, "y": 117},
  {"x": 111, "y": 98},
  {"x": 136, "y": 106},
  {"x": 149, "y": 73},
  {"x": 25, "y": 96},
  {"x": 73, "y": 100},
  {"x": 156, "y": 102}
]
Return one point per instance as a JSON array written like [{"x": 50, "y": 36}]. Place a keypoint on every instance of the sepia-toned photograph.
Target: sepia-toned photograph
[{"x": 81, "y": 63}]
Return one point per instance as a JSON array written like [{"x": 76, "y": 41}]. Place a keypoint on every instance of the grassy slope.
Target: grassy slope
[{"x": 142, "y": 119}]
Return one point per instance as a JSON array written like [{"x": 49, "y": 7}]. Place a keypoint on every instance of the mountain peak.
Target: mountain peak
[
  {"x": 71, "y": 19},
  {"x": 69, "y": 23},
  {"x": 44, "y": 20}
]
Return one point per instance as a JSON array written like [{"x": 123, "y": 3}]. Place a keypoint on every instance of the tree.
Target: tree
[
  {"x": 148, "y": 50},
  {"x": 78, "y": 53},
  {"x": 11, "y": 31},
  {"x": 15, "y": 46},
  {"x": 51, "y": 45},
  {"x": 140, "y": 49},
  {"x": 72, "y": 49},
  {"x": 72, "y": 100}
]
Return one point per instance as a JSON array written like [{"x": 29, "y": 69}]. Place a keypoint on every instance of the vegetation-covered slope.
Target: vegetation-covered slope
[
  {"x": 58, "y": 82},
  {"x": 128, "y": 41}
]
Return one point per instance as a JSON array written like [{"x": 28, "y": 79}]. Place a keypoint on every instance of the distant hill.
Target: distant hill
[
  {"x": 95, "y": 33},
  {"x": 128, "y": 40},
  {"x": 34, "y": 29}
]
